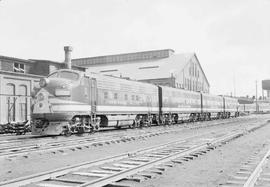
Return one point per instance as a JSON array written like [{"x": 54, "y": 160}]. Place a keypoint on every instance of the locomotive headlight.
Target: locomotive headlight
[
  {"x": 43, "y": 82},
  {"x": 40, "y": 97}
]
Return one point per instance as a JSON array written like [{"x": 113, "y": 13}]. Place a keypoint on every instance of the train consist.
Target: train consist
[{"x": 71, "y": 101}]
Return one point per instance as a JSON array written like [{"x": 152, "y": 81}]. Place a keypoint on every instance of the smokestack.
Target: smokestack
[{"x": 68, "y": 50}]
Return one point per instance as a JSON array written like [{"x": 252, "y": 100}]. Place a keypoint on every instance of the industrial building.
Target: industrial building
[
  {"x": 162, "y": 67},
  {"x": 18, "y": 77}
]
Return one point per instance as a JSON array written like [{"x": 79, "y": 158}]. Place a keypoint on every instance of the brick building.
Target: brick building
[
  {"x": 16, "y": 83},
  {"x": 18, "y": 77}
]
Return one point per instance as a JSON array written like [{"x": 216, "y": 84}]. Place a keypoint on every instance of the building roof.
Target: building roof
[
  {"x": 123, "y": 58},
  {"x": 56, "y": 63},
  {"x": 17, "y": 74},
  {"x": 15, "y": 59},
  {"x": 148, "y": 69}
]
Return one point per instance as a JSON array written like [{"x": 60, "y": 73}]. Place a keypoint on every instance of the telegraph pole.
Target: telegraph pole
[
  {"x": 256, "y": 97},
  {"x": 234, "y": 85}
]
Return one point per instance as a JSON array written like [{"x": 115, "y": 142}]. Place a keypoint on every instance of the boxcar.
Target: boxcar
[
  {"x": 179, "y": 104},
  {"x": 123, "y": 102},
  {"x": 231, "y": 106},
  {"x": 212, "y": 106}
]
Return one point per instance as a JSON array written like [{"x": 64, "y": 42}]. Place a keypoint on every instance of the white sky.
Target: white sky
[{"x": 230, "y": 37}]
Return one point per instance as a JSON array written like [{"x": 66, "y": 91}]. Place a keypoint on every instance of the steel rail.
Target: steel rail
[
  {"x": 140, "y": 168},
  {"x": 65, "y": 170},
  {"x": 257, "y": 171},
  {"x": 61, "y": 171},
  {"x": 74, "y": 144}
]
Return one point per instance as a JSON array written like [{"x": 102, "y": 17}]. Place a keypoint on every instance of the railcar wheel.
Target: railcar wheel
[{"x": 134, "y": 124}]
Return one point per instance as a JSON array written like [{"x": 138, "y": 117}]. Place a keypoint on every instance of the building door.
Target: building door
[
  {"x": 10, "y": 98},
  {"x": 22, "y": 103}
]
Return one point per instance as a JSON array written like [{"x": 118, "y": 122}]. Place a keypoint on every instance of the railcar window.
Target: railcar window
[
  {"x": 53, "y": 75},
  {"x": 66, "y": 75},
  {"x": 69, "y": 75}
]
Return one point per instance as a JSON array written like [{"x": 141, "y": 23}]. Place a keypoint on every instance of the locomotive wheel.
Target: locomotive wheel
[
  {"x": 96, "y": 127},
  {"x": 80, "y": 130},
  {"x": 67, "y": 133}
]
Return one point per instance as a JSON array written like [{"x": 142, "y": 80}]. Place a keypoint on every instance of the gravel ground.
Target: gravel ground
[
  {"x": 34, "y": 163},
  {"x": 215, "y": 167}
]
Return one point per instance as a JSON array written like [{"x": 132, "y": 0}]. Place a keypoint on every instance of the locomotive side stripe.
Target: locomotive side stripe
[
  {"x": 192, "y": 109},
  {"x": 101, "y": 108},
  {"x": 164, "y": 109},
  {"x": 71, "y": 108},
  {"x": 113, "y": 109}
]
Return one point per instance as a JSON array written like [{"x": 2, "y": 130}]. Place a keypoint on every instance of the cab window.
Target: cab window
[{"x": 69, "y": 75}]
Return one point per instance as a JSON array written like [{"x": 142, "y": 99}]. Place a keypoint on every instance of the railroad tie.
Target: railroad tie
[
  {"x": 50, "y": 185},
  {"x": 117, "y": 184},
  {"x": 73, "y": 181},
  {"x": 136, "y": 163},
  {"x": 140, "y": 159},
  {"x": 127, "y": 166},
  {"x": 90, "y": 174},
  {"x": 103, "y": 171},
  {"x": 112, "y": 168}
]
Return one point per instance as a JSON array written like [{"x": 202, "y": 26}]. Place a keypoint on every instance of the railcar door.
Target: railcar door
[
  {"x": 86, "y": 87},
  {"x": 93, "y": 95}
]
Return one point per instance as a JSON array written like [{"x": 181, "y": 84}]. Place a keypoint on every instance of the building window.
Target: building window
[
  {"x": 133, "y": 97},
  {"x": 10, "y": 91},
  {"x": 115, "y": 96},
  {"x": 126, "y": 97},
  {"x": 193, "y": 67},
  {"x": 23, "y": 103},
  {"x": 105, "y": 95},
  {"x": 17, "y": 67},
  {"x": 137, "y": 98}
]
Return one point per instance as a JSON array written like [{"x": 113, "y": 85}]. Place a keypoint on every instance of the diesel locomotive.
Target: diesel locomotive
[{"x": 70, "y": 101}]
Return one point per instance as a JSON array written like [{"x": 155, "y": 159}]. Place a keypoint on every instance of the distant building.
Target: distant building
[
  {"x": 45, "y": 67},
  {"x": 18, "y": 77},
  {"x": 16, "y": 84},
  {"x": 161, "y": 67}
]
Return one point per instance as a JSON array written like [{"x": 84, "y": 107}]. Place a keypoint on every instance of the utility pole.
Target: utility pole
[
  {"x": 256, "y": 98},
  {"x": 234, "y": 85}
]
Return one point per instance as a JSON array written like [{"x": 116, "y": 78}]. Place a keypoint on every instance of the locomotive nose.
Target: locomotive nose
[{"x": 43, "y": 82}]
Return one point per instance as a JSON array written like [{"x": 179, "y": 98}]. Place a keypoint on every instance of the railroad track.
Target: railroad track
[
  {"x": 255, "y": 172},
  {"x": 14, "y": 149},
  {"x": 72, "y": 144},
  {"x": 129, "y": 166},
  {"x": 12, "y": 139}
]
